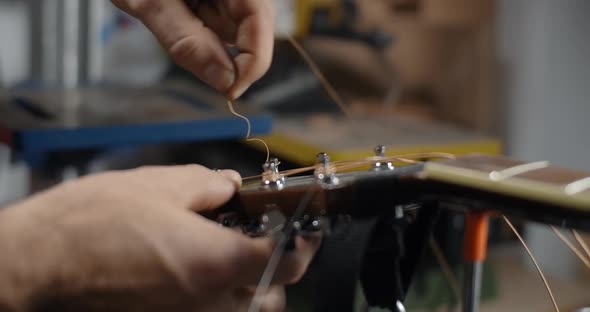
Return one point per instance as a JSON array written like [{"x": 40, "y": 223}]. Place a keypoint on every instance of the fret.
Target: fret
[
  {"x": 517, "y": 170},
  {"x": 578, "y": 186}
]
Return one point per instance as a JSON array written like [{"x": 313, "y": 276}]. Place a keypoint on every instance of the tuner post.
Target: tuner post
[
  {"x": 325, "y": 172},
  {"x": 380, "y": 151},
  {"x": 271, "y": 176}
]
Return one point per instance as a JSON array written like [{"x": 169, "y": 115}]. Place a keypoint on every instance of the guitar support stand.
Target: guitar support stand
[{"x": 474, "y": 253}]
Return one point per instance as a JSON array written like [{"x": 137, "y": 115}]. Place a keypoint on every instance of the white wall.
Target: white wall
[{"x": 544, "y": 48}]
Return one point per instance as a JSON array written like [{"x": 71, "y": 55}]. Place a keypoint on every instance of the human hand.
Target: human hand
[
  {"x": 196, "y": 40},
  {"x": 134, "y": 241}
]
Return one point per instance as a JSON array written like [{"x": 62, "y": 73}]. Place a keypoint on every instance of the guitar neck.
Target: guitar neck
[{"x": 544, "y": 192}]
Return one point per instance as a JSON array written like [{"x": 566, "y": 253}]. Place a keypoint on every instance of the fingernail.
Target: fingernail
[
  {"x": 218, "y": 76},
  {"x": 232, "y": 175}
]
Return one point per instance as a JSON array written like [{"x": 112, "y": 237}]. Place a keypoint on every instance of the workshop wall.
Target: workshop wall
[
  {"x": 442, "y": 58},
  {"x": 125, "y": 50},
  {"x": 544, "y": 87}
]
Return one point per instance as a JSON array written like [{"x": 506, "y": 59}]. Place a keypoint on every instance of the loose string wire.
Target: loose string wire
[
  {"x": 571, "y": 246},
  {"x": 526, "y": 247},
  {"x": 446, "y": 269},
  {"x": 273, "y": 262},
  {"x": 581, "y": 242},
  {"x": 320, "y": 76},
  {"x": 230, "y": 105}
]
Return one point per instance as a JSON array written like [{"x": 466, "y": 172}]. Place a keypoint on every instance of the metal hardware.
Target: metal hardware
[
  {"x": 325, "y": 173},
  {"x": 271, "y": 177},
  {"x": 381, "y": 166}
]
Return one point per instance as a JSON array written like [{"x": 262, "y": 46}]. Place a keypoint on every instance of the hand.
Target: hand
[
  {"x": 197, "y": 40},
  {"x": 133, "y": 241}
]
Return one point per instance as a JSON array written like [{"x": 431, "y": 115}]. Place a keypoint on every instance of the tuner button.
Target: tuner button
[
  {"x": 265, "y": 224},
  {"x": 309, "y": 225},
  {"x": 313, "y": 225}
]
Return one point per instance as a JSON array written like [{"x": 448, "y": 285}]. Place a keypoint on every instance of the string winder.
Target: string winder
[{"x": 376, "y": 216}]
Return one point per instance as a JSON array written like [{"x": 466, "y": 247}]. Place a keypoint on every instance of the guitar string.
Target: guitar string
[
  {"x": 320, "y": 76},
  {"x": 446, "y": 269},
  {"x": 277, "y": 253},
  {"x": 534, "y": 261},
  {"x": 230, "y": 105},
  {"x": 351, "y": 164},
  {"x": 571, "y": 246},
  {"x": 581, "y": 241}
]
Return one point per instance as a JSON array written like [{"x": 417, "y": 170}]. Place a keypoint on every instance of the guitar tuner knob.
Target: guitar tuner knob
[
  {"x": 265, "y": 225},
  {"x": 308, "y": 225},
  {"x": 380, "y": 151},
  {"x": 312, "y": 225},
  {"x": 271, "y": 176},
  {"x": 325, "y": 172}
]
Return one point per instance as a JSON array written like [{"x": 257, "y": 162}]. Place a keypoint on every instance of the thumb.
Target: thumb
[
  {"x": 219, "y": 188},
  {"x": 191, "y": 187}
]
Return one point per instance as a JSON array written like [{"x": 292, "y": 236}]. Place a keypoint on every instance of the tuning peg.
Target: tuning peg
[
  {"x": 311, "y": 225},
  {"x": 271, "y": 176},
  {"x": 267, "y": 224},
  {"x": 380, "y": 151},
  {"x": 323, "y": 158},
  {"x": 325, "y": 173}
]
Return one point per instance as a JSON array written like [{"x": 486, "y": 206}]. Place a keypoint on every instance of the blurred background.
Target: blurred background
[{"x": 85, "y": 88}]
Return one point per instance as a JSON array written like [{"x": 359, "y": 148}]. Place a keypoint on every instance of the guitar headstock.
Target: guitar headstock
[{"x": 331, "y": 194}]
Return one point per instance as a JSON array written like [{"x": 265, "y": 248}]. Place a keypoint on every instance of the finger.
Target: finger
[
  {"x": 191, "y": 187},
  {"x": 232, "y": 260},
  {"x": 254, "y": 39},
  {"x": 190, "y": 44},
  {"x": 273, "y": 301},
  {"x": 216, "y": 18},
  {"x": 292, "y": 265}
]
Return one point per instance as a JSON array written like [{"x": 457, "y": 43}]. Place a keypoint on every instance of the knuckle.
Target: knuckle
[{"x": 184, "y": 50}]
